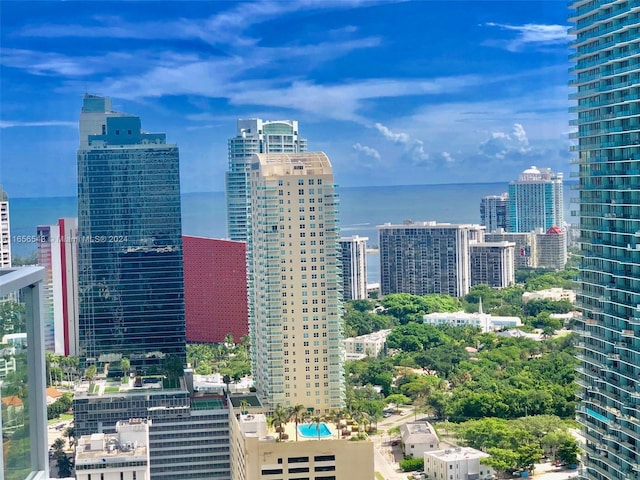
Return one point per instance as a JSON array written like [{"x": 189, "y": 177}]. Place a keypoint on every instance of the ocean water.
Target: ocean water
[{"x": 361, "y": 210}]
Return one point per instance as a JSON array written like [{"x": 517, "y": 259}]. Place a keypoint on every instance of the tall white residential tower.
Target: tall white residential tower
[{"x": 353, "y": 251}]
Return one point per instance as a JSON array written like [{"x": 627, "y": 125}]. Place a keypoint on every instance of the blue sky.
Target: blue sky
[{"x": 394, "y": 92}]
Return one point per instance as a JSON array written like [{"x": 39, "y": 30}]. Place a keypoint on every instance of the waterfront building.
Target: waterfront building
[
  {"x": 426, "y": 257},
  {"x": 370, "y": 345},
  {"x": 535, "y": 201},
  {"x": 457, "y": 463},
  {"x": 129, "y": 238},
  {"x": 258, "y": 452},
  {"x": 484, "y": 321},
  {"x": 353, "y": 252},
  {"x": 607, "y": 80},
  {"x": 296, "y": 327},
  {"x": 23, "y": 421},
  {"x": 254, "y": 136},
  {"x": 58, "y": 254},
  {"x": 124, "y": 454},
  {"x": 493, "y": 212},
  {"x": 5, "y": 231},
  {"x": 525, "y": 252},
  {"x": 215, "y": 294},
  {"x": 188, "y": 432},
  {"x": 551, "y": 248},
  {"x": 493, "y": 264}
]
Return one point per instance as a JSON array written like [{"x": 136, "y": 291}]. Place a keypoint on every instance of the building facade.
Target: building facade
[
  {"x": 552, "y": 248},
  {"x": 493, "y": 212},
  {"x": 23, "y": 420},
  {"x": 256, "y": 454},
  {"x": 607, "y": 91},
  {"x": 493, "y": 264},
  {"x": 525, "y": 254},
  {"x": 129, "y": 238},
  {"x": 370, "y": 345},
  {"x": 5, "y": 231},
  {"x": 58, "y": 254},
  {"x": 296, "y": 328},
  {"x": 353, "y": 251},
  {"x": 119, "y": 456},
  {"x": 215, "y": 295},
  {"x": 426, "y": 257},
  {"x": 254, "y": 136},
  {"x": 188, "y": 435},
  {"x": 459, "y": 463},
  {"x": 535, "y": 201}
]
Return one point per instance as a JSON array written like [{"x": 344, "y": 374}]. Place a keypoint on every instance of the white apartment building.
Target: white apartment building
[
  {"x": 5, "y": 230},
  {"x": 353, "y": 252},
  {"x": 484, "y": 321},
  {"x": 493, "y": 264},
  {"x": 459, "y": 463},
  {"x": 296, "y": 329},
  {"x": 369, "y": 345},
  {"x": 120, "y": 456},
  {"x": 418, "y": 438},
  {"x": 555, "y": 294}
]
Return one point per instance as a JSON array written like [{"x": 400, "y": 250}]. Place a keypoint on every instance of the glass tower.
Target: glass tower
[
  {"x": 607, "y": 81},
  {"x": 129, "y": 238},
  {"x": 254, "y": 136},
  {"x": 535, "y": 201}
]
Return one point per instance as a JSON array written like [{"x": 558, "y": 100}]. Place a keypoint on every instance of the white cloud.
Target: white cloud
[
  {"x": 367, "y": 151},
  {"x": 49, "y": 123},
  {"x": 502, "y": 145},
  {"x": 447, "y": 157},
  {"x": 533, "y": 34},
  {"x": 414, "y": 148}
]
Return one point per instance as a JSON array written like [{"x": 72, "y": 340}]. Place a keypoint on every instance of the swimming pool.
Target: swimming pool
[{"x": 311, "y": 430}]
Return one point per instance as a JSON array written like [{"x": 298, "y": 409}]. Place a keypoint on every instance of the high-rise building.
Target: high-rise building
[
  {"x": 124, "y": 454},
  {"x": 493, "y": 212},
  {"x": 58, "y": 254},
  {"x": 426, "y": 257},
  {"x": 296, "y": 329},
  {"x": 535, "y": 201},
  {"x": 188, "y": 432},
  {"x": 552, "y": 248},
  {"x": 353, "y": 252},
  {"x": 23, "y": 416},
  {"x": 129, "y": 238},
  {"x": 492, "y": 263},
  {"x": 607, "y": 81},
  {"x": 215, "y": 289},
  {"x": 526, "y": 253},
  {"x": 254, "y": 136},
  {"x": 5, "y": 231}
]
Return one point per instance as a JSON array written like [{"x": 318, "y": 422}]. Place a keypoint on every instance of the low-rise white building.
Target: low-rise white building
[
  {"x": 459, "y": 463},
  {"x": 486, "y": 322},
  {"x": 555, "y": 294},
  {"x": 417, "y": 438},
  {"x": 119, "y": 456},
  {"x": 369, "y": 345}
]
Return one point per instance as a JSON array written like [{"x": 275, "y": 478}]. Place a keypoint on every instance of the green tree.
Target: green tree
[
  {"x": 528, "y": 455},
  {"x": 568, "y": 452},
  {"x": 504, "y": 461},
  {"x": 412, "y": 464},
  {"x": 398, "y": 399},
  {"x": 279, "y": 418},
  {"x": 296, "y": 412},
  {"x": 125, "y": 366},
  {"x": 226, "y": 379},
  {"x": 90, "y": 373}
]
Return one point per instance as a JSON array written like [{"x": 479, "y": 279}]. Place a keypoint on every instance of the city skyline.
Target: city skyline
[{"x": 387, "y": 108}]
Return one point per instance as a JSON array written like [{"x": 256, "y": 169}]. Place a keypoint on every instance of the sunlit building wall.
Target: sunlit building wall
[{"x": 606, "y": 82}]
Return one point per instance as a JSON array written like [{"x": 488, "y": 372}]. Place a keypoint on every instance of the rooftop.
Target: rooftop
[
  {"x": 418, "y": 432},
  {"x": 458, "y": 453}
]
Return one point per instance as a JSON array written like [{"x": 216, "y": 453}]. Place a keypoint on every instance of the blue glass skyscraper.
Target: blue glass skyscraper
[
  {"x": 607, "y": 80},
  {"x": 129, "y": 238}
]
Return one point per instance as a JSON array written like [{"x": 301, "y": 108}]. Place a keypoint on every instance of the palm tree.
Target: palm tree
[
  {"x": 296, "y": 412},
  {"x": 279, "y": 418},
  {"x": 125, "y": 366},
  {"x": 236, "y": 380},
  {"x": 226, "y": 379},
  {"x": 317, "y": 420}
]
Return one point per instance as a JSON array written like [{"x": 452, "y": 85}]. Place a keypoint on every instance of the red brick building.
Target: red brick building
[{"x": 215, "y": 289}]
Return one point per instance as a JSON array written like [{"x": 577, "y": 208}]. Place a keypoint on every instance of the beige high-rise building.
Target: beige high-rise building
[{"x": 296, "y": 329}]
